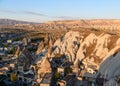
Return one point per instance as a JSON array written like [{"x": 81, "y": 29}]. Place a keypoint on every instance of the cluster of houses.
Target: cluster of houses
[
  {"x": 17, "y": 76},
  {"x": 27, "y": 77},
  {"x": 7, "y": 42},
  {"x": 63, "y": 75},
  {"x": 8, "y": 46}
]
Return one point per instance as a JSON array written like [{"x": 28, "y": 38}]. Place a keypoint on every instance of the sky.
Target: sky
[{"x": 49, "y": 10}]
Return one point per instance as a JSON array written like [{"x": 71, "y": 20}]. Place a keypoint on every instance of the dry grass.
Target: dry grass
[
  {"x": 112, "y": 42},
  {"x": 90, "y": 49}
]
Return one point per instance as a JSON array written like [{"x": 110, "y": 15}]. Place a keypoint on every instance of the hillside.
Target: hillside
[
  {"x": 101, "y": 24},
  {"x": 10, "y": 22},
  {"x": 88, "y": 51}
]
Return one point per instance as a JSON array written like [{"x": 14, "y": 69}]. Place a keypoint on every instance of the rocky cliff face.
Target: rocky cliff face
[
  {"x": 94, "y": 51},
  {"x": 91, "y": 48},
  {"x": 100, "y": 51}
]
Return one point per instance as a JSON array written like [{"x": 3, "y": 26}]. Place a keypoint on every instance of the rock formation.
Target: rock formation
[
  {"x": 25, "y": 58},
  {"x": 40, "y": 47},
  {"x": 43, "y": 67},
  {"x": 94, "y": 51},
  {"x": 17, "y": 52}
]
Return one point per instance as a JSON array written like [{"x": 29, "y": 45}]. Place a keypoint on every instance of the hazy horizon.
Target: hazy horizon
[{"x": 45, "y": 10}]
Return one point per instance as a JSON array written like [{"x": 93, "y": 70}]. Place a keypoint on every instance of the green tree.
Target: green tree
[
  {"x": 57, "y": 75},
  {"x": 12, "y": 51},
  {"x": 69, "y": 70}
]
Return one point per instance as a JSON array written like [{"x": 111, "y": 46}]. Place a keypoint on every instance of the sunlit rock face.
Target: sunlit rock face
[
  {"x": 91, "y": 50},
  {"x": 40, "y": 47},
  {"x": 94, "y": 51},
  {"x": 68, "y": 45},
  {"x": 44, "y": 66},
  {"x": 77, "y": 47}
]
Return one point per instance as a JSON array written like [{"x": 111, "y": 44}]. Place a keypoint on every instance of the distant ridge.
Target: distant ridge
[{"x": 8, "y": 22}]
